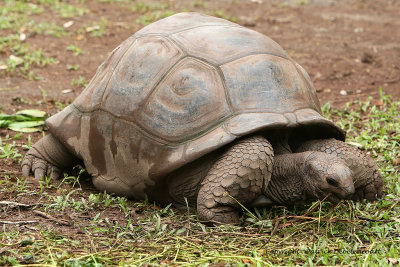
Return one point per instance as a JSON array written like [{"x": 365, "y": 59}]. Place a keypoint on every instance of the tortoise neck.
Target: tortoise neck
[
  {"x": 280, "y": 142},
  {"x": 287, "y": 185}
]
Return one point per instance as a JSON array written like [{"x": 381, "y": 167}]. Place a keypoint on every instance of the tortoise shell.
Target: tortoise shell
[{"x": 176, "y": 90}]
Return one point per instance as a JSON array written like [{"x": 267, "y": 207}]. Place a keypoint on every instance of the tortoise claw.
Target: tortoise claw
[
  {"x": 369, "y": 192},
  {"x": 38, "y": 167},
  {"x": 26, "y": 167}
]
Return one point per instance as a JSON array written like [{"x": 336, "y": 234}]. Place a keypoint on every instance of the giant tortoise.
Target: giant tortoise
[{"x": 199, "y": 109}]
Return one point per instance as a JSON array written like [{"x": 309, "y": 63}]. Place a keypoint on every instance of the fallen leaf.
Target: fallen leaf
[
  {"x": 25, "y": 130},
  {"x": 33, "y": 113},
  {"x": 26, "y": 126}
]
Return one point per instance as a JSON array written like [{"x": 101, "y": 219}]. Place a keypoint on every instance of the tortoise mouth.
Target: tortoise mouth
[{"x": 333, "y": 197}]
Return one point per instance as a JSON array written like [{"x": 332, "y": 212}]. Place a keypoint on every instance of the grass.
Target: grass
[
  {"x": 47, "y": 28},
  {"x": 152, "y": 12},
  {"x": 76, "y": 50},
  {"x": 223, "y": 15},
  {"x": 67, "y": 11},
  {"x": 18, "y": 23},
  {"x": 80, "y": 81},
  {"x": 21, "y": 21},
  {"x": 97, "y": 228}
]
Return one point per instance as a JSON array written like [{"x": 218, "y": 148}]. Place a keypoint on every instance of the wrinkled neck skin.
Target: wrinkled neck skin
[
  {"x": 280, "y": 143},
  {"x": 288, "y": 183}
]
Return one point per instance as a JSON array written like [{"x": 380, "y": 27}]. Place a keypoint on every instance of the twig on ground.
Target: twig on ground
[
  {"x": 321, "y": 219},
  {"x": 30, "y": 228},
  {"x": 374, "y": 220},
  {"x": 394, "y": 205},
  {"x": 392, "y": 81},
  {"x": 188, "y": 215},
  {"x": 47, "y": 216},
  {"x": 316, "y": 205},
  {"x": 4, "y": 249},
  {"x": 17, "y": 222},
  {"x": 15, "y": 204},
  {"x": 276, "y": 224}
]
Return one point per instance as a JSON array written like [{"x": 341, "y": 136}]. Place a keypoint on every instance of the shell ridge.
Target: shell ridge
[
  {"x": 112, "y": 74},
  {"x": 226, "y": 91},
  {"x": 310, "y": 87},
  {"x": 253, "y": 54},
  {"x": 182, "y": 30}
]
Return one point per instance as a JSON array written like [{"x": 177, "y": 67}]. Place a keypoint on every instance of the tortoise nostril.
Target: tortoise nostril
[{"x": 332, "y": 182}]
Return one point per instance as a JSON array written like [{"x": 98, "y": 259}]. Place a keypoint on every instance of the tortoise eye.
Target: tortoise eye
[{"x": 332, "y": 182}]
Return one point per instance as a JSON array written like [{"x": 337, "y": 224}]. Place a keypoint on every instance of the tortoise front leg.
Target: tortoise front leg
[
  {"x": 239, "y": 174},
  {"x": 367, "y": 178},
  {"x": 48, "y": 156}
]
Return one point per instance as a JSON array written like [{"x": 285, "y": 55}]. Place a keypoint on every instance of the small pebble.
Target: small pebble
[
  {"x": 92, "y": 28},
  {"x": 22, "y": 36},
  {"x": 66, "y": 91},
  {"x": 68, "y": 24}
]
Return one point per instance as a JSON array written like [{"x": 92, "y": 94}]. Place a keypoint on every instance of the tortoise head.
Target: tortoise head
[
  {"x": 298, "y": 178},
  {"x": 327, "y": 175}
]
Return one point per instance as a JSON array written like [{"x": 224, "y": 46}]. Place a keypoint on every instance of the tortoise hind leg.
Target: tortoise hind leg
[
  {"x": 239, "y": 175},
  {"x": 48, "y": 156}
]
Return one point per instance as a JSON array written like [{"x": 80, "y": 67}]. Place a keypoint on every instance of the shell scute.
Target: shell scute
[
  {"x": 189, "y": 100},
  {"x": 265, "y": 83},
  {"x": 142, "y": 67},
  {"x": 222, "y": 43}
]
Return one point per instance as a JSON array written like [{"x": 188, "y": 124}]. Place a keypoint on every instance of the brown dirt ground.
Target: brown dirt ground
[{"x": 352, "y": 46}]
